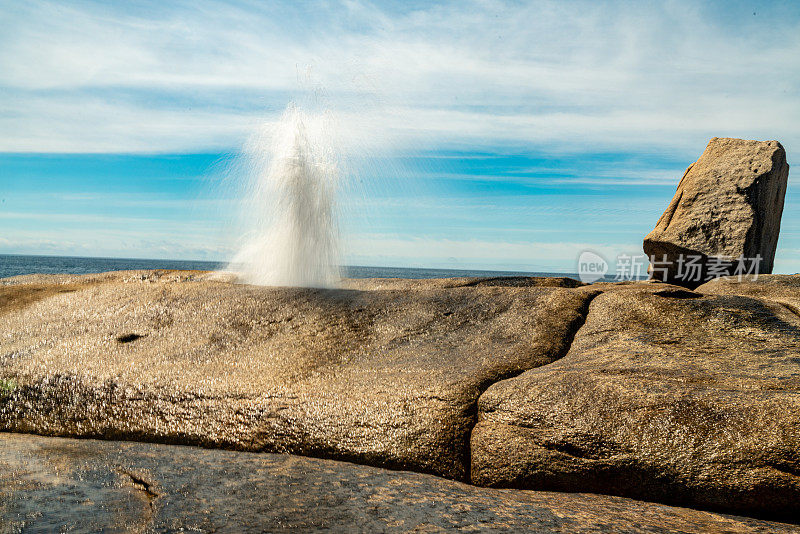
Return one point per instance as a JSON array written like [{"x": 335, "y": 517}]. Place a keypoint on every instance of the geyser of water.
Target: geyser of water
[{"x": 292, "y": 173}]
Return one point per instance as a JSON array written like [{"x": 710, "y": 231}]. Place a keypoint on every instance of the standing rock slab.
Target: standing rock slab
[
  {"x": 666, "y": 395},
  {"x": 386, "y": 377},
  {"x": 728, "y": 206},
  {"x": 54, "y": 485}
]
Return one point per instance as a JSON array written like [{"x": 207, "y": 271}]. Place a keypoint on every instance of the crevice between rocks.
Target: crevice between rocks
[{"x": 574, "y": 328}]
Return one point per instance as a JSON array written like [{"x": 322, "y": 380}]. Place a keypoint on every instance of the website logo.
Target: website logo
[{"x": 591, "y": 267}]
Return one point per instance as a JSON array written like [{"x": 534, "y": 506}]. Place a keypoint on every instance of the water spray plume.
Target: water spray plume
[{"x": 292, "y": 176}]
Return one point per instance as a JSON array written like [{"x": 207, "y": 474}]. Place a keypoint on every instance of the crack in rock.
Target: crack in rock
[
  {"x": 570, "y": 336},
  {"x": 139, "y": 483}
]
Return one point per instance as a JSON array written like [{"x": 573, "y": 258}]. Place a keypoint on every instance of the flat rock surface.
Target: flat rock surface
[
  {"x": 668, "y": 395},
  {"x": 387, "y": 374},
  {"x": 782, "y": 288},
  {"x": 55, "y": 484}
]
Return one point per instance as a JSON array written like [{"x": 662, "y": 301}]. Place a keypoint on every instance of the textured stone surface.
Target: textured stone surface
[
  {"x": 728, "y": 204},
  {"x": 54, "y": 484},
  {"x": 385, "y": 377},
  {"x": 781, "y": 288},
  {"x": 368, "y": 284},
  {"x": 667, "y": 395}
]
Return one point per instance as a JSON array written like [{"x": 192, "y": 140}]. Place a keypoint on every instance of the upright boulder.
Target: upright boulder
[{"x": 724, "y": 217}]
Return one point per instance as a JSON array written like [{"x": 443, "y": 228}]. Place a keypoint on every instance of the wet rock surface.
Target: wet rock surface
[
  {"x": 729, "y": 205},
  {"x": 55, "y": 484},
  {"x": 388, "y": 374},
  {"x": 676, "y": 397}
]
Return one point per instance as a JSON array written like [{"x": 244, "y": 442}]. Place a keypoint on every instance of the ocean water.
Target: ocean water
[{"x": 13, "y": 265}]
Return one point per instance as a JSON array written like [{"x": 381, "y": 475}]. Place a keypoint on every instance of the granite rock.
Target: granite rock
[
  {"x": 56, "y": 484},
  {"x": 667, "y": 395},
  {"x": 385, "y": 375},
  {"x": 728, "y": 206},
  {"x": 781, "y": 288}
]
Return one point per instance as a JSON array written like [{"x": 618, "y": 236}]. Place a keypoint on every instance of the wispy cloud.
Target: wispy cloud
[
  {"x": 387, "y": 250},
  {"x": 562, "y": 75},
  {"x": 114, "y": 244},
  {"x": 609, "y": 102}
]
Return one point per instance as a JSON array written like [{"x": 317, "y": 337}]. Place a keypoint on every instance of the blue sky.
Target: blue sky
[{"x": 500, "y": 135}]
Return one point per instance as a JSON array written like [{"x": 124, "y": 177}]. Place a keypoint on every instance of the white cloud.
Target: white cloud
[
  {"x": 567, "y": 76},
  {"x": 478, "y": 75},
  {"x": 395, "y": 251},
  {"x": 119, "y": 244}
]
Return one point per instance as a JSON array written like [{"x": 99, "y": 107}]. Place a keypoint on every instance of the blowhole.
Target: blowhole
[{"x": 127, "y": 338}]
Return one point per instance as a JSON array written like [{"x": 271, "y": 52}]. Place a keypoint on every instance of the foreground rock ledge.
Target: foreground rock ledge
[
  {"x": 54, "y": 484},
  {"x": 388, "y": 374},
  {"x": 671, "y": 396}
]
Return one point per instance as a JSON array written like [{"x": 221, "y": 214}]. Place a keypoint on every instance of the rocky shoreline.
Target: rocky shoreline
[{"x": 641, "y": 390}]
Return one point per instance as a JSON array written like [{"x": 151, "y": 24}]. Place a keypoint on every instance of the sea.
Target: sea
[{"x": 13, "y": 265}]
